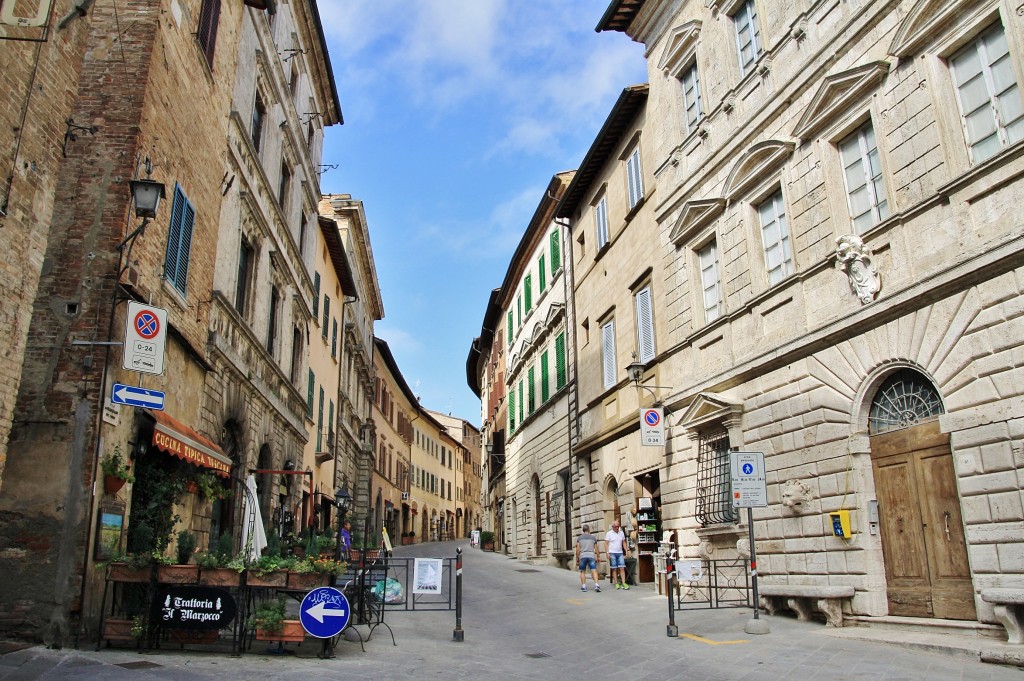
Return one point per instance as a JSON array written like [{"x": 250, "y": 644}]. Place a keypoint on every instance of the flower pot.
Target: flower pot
[
  {"x": 487, "y": 545},
  {"x": 219, "y": 577},
  {"x": 275, "y": 578},
  {"x": 306, "y": 580},
  {"x": 122, "y": 572},
  {"x": 191, "y": 487},
  {"x": 177, "y": 574},
  {"x": 291, "y": 632},
  {"x": 112, "y": 484}
]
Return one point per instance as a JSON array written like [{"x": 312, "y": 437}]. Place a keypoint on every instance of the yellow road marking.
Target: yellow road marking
[
  {"x": 710, "y": 642},
  {"x": 575, "y": 601}
]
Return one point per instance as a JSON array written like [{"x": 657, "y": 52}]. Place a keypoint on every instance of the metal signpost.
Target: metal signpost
[
  {"x": 749, "y": 490},
  {"x": 324, "y": 613}
]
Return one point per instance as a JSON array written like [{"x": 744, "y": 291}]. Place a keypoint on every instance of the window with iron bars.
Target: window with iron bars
[{"x": 714, "y": 498}]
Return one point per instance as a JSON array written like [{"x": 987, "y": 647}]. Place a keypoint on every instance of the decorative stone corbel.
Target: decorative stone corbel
[{"x": 854, "y": 257}]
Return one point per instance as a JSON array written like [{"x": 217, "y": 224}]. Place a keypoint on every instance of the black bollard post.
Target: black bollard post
[
  {"x": 458, "y": 634},
  {"x": 672, "y": 631}
]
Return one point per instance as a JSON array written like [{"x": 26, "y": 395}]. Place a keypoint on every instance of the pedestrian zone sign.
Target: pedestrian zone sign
[
  {"x": 748, "y": 480},
  {"x": 652, "y": 427}
]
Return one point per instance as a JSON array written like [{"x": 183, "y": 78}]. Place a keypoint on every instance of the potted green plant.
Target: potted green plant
[
  {"x": 116, "y": 471},
  {"x": 487, "y": 540},
  {"x": 269, "y": 623}
]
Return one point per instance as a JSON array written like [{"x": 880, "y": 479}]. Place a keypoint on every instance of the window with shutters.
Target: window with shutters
[
  {"x": 519, "y": 310},
  {"x": 521, "y": 400},
  {"x": 865, "y": 186},
  {"x": 707, "y": 257},
  {"x": 316, "y": 297},
  {"x": 531, "y": 391},
  {"x": 634, "y": 178},
  {"x": 545, "y": 386},
  {"x": 556, "y": 252},
  {"x": 511, "y": 410},
  {"x": 206, "y": 34},
  {"x": 179, "y": 241},
  {"x": 778, "y": 253},
  {"x": 560, "y": 359},
  {"x": 320, "y": 422},
  {"x": 330, "y": 424},
  {"x": 528, "y": 292},
  {"x": 511, "y": 329},
  {"x": 309, "y": 394},
  {"x": 285, "y": 185},
  {"x": 644, "y": 325},
  {"x": 334, "y": 338},
  {"x": 327, "y": 316},
  {"x": 601, "y": 222},
  {"x": 748, "y": 35},
  {"x": 541, "y": 275},
  {"x": 303, "y": 228},
  {"x": 246, "y": 268},
  {"x": 608, "y": 352},
  {"x": 296, "y": 364},
  {"x": 987, "y": 94}
]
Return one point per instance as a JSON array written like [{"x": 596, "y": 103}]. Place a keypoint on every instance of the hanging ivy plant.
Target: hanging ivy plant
[{"x": 160, "y": 482}]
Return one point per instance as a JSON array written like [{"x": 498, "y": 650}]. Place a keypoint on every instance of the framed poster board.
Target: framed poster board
[{"x": 109, "y": 530}]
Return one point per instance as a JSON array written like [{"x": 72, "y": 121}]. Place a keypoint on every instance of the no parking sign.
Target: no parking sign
[{"x": 652, "y": 427}]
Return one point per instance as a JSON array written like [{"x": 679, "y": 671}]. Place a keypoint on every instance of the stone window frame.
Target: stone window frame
[
  {"x": 711, "y": 412},
  {"x": 695, "y": 228},
  {"x": 677, "y": 61}
]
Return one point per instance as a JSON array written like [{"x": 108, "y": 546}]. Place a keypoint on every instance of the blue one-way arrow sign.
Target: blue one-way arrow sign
[
  {"x": 137, "y": 397},
  {"x": 324, "y": 612}
]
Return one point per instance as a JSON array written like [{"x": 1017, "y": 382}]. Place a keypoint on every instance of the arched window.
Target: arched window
[{"x": 905, "y": 399}]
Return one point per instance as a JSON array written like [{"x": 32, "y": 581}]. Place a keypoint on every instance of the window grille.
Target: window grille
[
  {"x": 714, "y": 488},
  {"x": 906, "y": 399}
]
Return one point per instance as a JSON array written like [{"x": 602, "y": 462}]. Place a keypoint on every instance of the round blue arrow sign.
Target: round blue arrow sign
[{"x": 324, "y": 612}]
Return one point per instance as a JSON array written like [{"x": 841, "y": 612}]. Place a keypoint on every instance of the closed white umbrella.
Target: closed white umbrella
[{"x": 251, "y": 517}]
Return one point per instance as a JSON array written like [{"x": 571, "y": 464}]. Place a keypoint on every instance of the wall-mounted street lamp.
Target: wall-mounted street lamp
[
  {"x": 343, "y": 500},
  {"x": 147, "y": 194}
]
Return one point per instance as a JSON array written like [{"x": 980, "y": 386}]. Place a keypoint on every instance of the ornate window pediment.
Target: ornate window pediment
[
  {"x": 927, "y": 19},
  {"x": 837, "y": 94},
  {"x": 555, "y": 312},
  {"x": 711, "y": 409},
  {"x": 756, "y": 164},
  {"x": 694, "y": 217},
  {"x": 682, "y": 43}
]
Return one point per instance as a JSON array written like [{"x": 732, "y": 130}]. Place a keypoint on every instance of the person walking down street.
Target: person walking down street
[
  {"x": 345, "y": 539},
  {"x": 587, "y": 555},
  {"x": 617, "y": 552}
]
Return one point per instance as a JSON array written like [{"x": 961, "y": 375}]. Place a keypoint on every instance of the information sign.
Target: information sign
[
  {"x": 652, "y": 427},
  {"x": 748, "y": 480}
]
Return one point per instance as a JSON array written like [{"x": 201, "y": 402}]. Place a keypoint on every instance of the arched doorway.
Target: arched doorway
[{"x": 923, "y": 543}]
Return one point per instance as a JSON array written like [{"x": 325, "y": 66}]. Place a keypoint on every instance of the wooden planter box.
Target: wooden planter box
[
  {"x": 291, "y": 632},
  {"x": 306, "y": 580},
  {"x": 276, "y": 578},
  {"x": 219, "y": 577},
  {"x": 117, "y": 630},
  {"x": 177, "y": 574},
  {"x": 188, "y": 636},
  {"x": 121, "y": 572},
  {"x": 487, "y": 545}
]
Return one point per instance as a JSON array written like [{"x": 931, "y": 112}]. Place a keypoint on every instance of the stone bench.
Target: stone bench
[
  {"x": 1008, "y": 606},
  {"x": 564, "y": 558},
  {"x": 802, "y": 599}
]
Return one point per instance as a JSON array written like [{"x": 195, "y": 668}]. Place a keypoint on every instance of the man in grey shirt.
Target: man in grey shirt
[{"x": 587, "y": 556}]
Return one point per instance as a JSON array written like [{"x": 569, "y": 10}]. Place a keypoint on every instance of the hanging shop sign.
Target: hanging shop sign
[{"x": 194, "y": 607}]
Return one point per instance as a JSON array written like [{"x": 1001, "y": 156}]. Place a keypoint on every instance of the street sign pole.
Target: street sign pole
[{"x": 749, "y": 490}]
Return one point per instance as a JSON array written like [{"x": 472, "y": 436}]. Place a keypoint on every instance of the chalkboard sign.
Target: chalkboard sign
[{"x": 194, "y": 607}]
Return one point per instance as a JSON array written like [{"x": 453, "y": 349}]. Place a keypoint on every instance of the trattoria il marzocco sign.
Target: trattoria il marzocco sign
[{"x": 194, "y": 607}]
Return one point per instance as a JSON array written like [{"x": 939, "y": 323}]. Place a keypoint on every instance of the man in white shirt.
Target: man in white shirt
[{"x": 617, "y": 552}]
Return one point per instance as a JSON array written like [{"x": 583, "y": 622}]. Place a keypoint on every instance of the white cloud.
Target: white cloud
[{"x": 398, "y": 339}]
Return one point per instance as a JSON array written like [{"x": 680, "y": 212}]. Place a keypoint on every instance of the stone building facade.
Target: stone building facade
[
  {"x": 833, "y": 192},
  {"x": 467, "y": 472},
  {"x": 227, "y": 395},
  {"x": 395, "y": 410}
]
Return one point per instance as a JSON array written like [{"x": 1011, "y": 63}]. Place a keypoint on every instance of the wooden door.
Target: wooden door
[{"x": 923, "y": 542}]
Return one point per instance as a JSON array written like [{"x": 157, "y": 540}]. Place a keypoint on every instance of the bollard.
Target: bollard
[{"x": 458, "y": 634}]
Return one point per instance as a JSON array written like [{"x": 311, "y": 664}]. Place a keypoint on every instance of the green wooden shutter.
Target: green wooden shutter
[
  {"x": 556, "y": 252},
  {"x": 560, "y": 378},
  {"x": 528, "y": 292},
  {"x": 545, "y": 388},
  {"x": 512, "y": 410},
  {"x": 327, "y": 315},
  {"x": 511, "y": 329},
  {"x": 320, "y": 422},
  {"x": 521, "y": 400},
  {"x": 316, "y": 296},
  {"x": 309, "y": 394},
  {"x": 531, "y": 392},
  {"x": 542, "y": 275}
]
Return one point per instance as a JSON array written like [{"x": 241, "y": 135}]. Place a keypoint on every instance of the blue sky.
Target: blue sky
[{"x": 457, "y": 113}]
